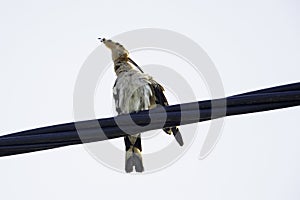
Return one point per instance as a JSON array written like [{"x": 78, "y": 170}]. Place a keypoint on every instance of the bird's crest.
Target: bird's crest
[{"x": 117, "y": 50}]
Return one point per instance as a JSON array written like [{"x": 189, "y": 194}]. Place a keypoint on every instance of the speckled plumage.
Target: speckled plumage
[{"x": 135, "y": 91}]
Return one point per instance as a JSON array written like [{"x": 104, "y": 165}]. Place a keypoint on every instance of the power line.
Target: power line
[{"x": 67, "y": 134}]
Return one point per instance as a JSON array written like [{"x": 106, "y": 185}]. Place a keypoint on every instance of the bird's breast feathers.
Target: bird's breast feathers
[{"x": 132, "y": 92}]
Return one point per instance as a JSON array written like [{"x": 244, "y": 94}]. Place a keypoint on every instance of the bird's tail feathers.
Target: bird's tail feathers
[{"x": 133, "y": 156}]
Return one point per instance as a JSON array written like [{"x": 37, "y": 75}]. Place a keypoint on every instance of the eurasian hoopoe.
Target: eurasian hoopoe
[{"x": 135, "y": 91}]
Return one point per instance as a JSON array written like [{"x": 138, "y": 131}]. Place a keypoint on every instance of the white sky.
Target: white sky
[{"x": 253, "y": 44}]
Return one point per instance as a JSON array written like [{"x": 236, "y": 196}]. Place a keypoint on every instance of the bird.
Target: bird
[{"x": 135, "y": 91}]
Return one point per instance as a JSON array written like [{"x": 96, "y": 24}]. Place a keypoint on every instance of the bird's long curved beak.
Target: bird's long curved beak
[{"x": 101, "y": 39}]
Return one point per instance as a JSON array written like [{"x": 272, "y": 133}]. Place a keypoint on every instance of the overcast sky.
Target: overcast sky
[{"x": 253, "y": 44}]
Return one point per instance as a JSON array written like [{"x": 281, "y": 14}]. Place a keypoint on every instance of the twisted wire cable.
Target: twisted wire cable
[{"x": 67, "y": 134}]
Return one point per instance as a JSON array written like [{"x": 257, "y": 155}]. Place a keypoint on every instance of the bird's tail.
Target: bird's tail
[{"x": 133, "y": 153}]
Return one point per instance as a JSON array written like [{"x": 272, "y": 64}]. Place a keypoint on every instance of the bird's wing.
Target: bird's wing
[
  {"x": 116, "y": 98},
  {"x": 161, "y": 99}
]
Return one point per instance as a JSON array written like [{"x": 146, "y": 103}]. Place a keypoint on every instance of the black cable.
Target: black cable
[
  {"x": 283, "y": 88},
  {"x": 236, "y": 100},
  {"x": 66, "y": 134}
]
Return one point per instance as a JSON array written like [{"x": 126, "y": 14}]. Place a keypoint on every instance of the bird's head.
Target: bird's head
[{"x": 117, "y": 50}]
